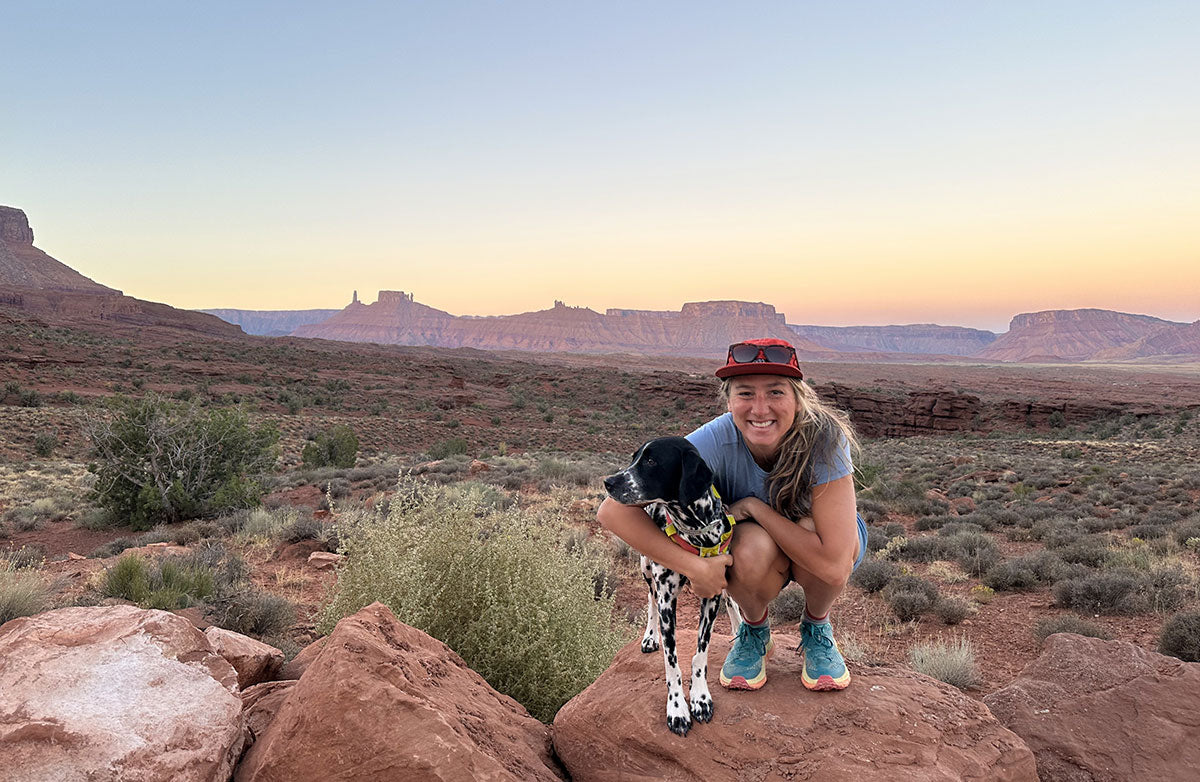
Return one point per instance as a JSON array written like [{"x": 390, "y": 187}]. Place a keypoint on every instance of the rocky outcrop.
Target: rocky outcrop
[
  {"x": 1105, "y": 711},
  {"x": 115, "y": 693},
  {"x": 253, "y": 660},
  {"x": 1175, "y": 341},
  {"x": 699, "y": 328},
  {"x": 383, "y": 700},
  {"x": 271, "y": 323},
  {"x": 25, "y": 266},
  {"x": 1068, "y": 335},
  {"x": 35, "y": 283},
  {"x": 889, "y": 724},
  {"x": 921, "y": 338}
]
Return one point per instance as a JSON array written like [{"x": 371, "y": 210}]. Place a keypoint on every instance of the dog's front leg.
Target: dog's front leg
[
  {"x": 650, "y": 637},
  {"x": 678, "y": 718},
  {"x": 701, "y": 700}
]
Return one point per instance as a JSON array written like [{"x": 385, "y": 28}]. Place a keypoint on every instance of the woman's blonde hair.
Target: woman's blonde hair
[{"x": 816, "y": 431}]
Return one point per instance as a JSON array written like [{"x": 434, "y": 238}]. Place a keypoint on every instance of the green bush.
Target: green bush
[
  {"x": 168, "y": 584},
  {"x": 253, "y": 612},
  {"x": 1181, "y": 637},
  {"x": 952, "y": 662},
  {"x": 455, "y": 445},
  {"x": 158, "y": 461},
  {"x": 1068, "y": 623},
  {"x": 44, "y": 444},
  {"x": 495, "y": 585},
  {"x": 337, "y": 447}
]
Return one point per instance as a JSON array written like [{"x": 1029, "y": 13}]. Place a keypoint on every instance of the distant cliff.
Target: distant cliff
[
  {"x": 698, "y": 329},
  {"x": 919, "y": 338},
  {"x": 33, "y": 282},
  {"x": 1069, "y": 335},
  {"x": 271, "y": 323}
]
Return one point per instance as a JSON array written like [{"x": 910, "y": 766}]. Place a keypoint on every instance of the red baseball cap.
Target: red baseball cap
[{"x": 761, "y": 357}]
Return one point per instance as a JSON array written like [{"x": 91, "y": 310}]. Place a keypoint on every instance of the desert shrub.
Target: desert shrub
[
  {"x": 981, "y": 593},
  {"x": 1110, "y": 592},
  {"x": 788, "y": 605},
  {"x": 876, "y": 539},
  {"x": 1180, "y": 637},
  {"x": 23, "y": 592},
  {"x": 253, "y": 612},
  {"x": 975, "y": 552},
  {"x": 497, "y": 586},
  {"x": 952, "y": 662},
  {"x": 952, "y": 610},
  {"x": 168, "y": 584},
  {"x": 336, "y": 447},
  {"x": 44, "y": 444},
  {"x": 1011, "y": 576},
  {"x": 1068, "y": 623},
  {"x": 873, "y": 574},
  {"x": 871, "y": 511},
  {"x": 455, "y": 445},
  {"x": 959, "y": 527},
  {"x": 946, "y": 573},
  {"x": 924, "y": 549},
  {"x": 933, "y": 522},
  {"x": 910, "y": 596},
  {"x": 262, "y": 524},
  {"x": 158, "y": 461},
  {"x": 1186, "y": 531},
  {"x": 1170, "y": 587},
  {"x": 1091, "y": 551},
  {"x": 1147, "y": 531}
]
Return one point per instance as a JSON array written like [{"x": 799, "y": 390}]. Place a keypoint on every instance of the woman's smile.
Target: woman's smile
[{"x": 763, "y": 408}]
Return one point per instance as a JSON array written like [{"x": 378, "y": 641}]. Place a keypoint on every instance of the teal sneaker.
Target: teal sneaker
[
  {"x": 824, "y": 667},
  {"x": 745, "y": 666}
]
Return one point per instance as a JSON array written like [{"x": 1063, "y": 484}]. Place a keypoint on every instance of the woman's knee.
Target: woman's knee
[{"x": 757, "y": 562}]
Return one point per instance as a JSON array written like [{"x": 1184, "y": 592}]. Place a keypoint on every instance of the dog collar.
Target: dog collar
[{"x": 704, "y": 551}]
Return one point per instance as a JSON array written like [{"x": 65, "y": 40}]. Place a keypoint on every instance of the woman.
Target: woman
[{"x": 781, "y": 458}]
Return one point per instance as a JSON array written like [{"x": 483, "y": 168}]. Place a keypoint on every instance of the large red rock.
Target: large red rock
[
  {"x": 890, "y": 724},
  {"x": 1105, "y": 711},
  {"x": 253, "y": 660},
  {"x": 260, "y": 704},
  {"x": 115, "y": 693},
  {"x": 384, "y": 701}
]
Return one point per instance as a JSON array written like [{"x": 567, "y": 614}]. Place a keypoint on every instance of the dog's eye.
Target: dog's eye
[{"x": 649, "y": 462}]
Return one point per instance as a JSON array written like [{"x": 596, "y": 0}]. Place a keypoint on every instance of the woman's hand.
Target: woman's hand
[
  {"x": 745, "y": 508},
  {"x": 707, "y": 574}
]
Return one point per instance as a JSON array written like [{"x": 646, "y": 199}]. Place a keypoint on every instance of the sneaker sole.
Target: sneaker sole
[
  {"x": 741, "y": 682},
  {"x": 826, "y": 683}
]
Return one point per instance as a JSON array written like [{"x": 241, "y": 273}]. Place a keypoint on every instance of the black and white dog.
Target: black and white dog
[{"x": 670, "y": 478}]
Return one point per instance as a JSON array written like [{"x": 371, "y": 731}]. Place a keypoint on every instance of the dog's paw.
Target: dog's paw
[
  {"x": 649, "y": 645},
  {"x": 679, "y": 725},
  {"x": 702, "y": 707}
]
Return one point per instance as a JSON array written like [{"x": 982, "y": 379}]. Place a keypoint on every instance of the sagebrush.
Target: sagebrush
[{"x": 494, "y": 584}]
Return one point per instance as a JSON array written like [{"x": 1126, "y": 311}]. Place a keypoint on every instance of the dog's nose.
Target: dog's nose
[{"x": 610, "y": 482}]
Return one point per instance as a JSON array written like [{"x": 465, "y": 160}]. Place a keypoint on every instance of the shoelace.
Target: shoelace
[
  {"x": 824, "y": 645},
  {"x": 746, "y": 635}
]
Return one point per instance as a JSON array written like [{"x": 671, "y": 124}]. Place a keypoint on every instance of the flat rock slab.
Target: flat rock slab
[
  {"x": 115, "y": 693},
  {"x": 889, "y": 724},
  {"x": 1105, "y": 711},
  {"x": 384, "y": 701}
]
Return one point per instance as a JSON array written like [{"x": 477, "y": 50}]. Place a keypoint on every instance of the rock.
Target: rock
[
  {"x": 253, "y": 660},
  {"x": 298, "y": 551},
  {"x": 324, "y": 560},
  {"x": 260, "y": 703},
  {"x": 299, "y": 664},
  {"x": 115, "y": 693},
  {"x": 889, "y": 724},
  {"x": 963, "y": 505},
  {"x": 383, "y": 700},
  {"x": 478, "y": 467},
  {"x": 1105, "y": 711}
]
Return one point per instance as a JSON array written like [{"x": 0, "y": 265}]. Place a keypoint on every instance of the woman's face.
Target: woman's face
[{"x": 763, "y": 408}]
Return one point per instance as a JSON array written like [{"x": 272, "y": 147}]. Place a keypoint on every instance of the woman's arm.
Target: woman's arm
[
  {"x": 632, "y": 525},
  {"x": 826, "y": 550}
]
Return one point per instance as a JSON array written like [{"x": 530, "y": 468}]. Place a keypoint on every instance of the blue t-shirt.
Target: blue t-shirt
[{"x": 735, "y": 472}]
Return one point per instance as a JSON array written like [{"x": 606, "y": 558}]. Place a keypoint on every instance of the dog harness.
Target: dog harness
[{"x": 705, "y": 551}]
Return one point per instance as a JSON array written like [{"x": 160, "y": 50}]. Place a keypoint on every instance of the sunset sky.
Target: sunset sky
[{"x": 850, "y": 163}]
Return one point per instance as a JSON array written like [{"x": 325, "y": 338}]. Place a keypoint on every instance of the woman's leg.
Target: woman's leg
[{"x": 760, "y": 569}]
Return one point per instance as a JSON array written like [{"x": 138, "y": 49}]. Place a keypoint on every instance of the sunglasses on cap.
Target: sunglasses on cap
[{"x": 746, "y": 353}]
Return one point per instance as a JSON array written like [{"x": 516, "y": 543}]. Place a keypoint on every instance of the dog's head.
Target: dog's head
[{"x": 668, "y": 469}]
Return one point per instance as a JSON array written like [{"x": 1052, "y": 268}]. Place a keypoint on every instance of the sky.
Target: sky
[{"x": 850, "y": 163}]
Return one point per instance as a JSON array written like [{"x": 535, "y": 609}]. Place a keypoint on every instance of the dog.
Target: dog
[{"x": 671, "y": 480}]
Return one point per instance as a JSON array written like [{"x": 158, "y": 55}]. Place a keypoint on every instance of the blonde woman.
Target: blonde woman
[{"x": 781, "y": 460}]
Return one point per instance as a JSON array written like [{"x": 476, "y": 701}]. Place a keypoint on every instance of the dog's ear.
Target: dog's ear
[{"x": 695, "y": 479}]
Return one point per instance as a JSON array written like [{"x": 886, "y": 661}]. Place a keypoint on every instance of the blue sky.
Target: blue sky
[{"x": 850, "y": 163}]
